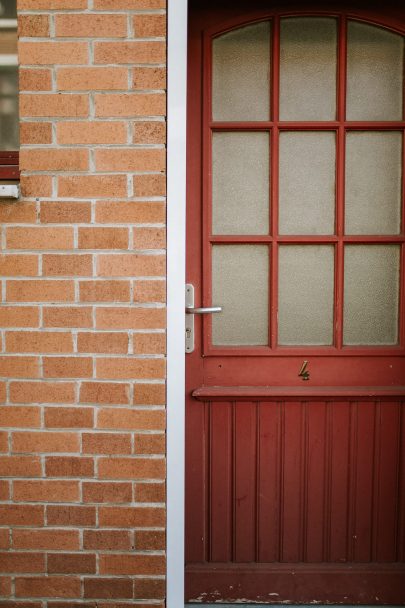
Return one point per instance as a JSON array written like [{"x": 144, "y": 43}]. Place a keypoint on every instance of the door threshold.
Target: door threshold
[{"x": 232, "y": 605}]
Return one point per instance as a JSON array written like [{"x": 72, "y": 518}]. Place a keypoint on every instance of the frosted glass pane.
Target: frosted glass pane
[
  {"x": 240, "y": 183},
  {"x": 308, "y": 49},
  {"x": 305, "y": 298},
  {"x": 373, "y": 182},
  {"x": 241, "y": 74},
  {"x": 240, "y": 284},
  {"x": 374, "y": 73},
  {"x": 371, "y": 294},
  {"x": 307, "y": 183}
]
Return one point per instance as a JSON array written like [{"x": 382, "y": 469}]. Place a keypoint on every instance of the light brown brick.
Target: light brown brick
[
  {"x": 67, "y": 317},
  {"x": 46, "y": 441},
  {"x": 91, "y": 26},
  {"x": 36, "y": 185},
  {"x": 70, "y": 515},
  {"x": 51, "y": 4},
  {"x": 39, "y": 342},
  {"x": 131, "y": 264},
  {"x": 55, "y": 212},
  {"x": 130, "y": 104},
  {"x": 130, "y": 318},
  {"x": 51, "y": 586},
  {"x": 128, "y": 4},
  {"x": 32, "y": 26},
  {"x": 130, "y": 212},
  {"x": 19, "y": 316},
  {"x": 149, "y": 394},
  {"x": 150, "y": 492},
  {"x": 90, "y": 186},
  {"x": 42, "y": 392},
  {"x": 149, "y": 344},
  {"x": 40, "y": 291},
  {"x": 131, "y": 419},
  {"x": 103, "y": 238},
  {"x": 113, "y": 492},
  {"x": 150, "y": 291},
  {"x": 148, "y": 78},
  {"x": 19, "y": 367},
  {"x": 127, "y": 159},
  {"x": 22, "y": 417},
  {"x": 149, "y": 238},
  {"x": 108, "y": 588},
  {"x": 67, "y": 367},
  {"x": 150, "y": 540},
  {"x": 46, "y": 491},
  {"x": 22, "y": 562},
  {"x": 129, "y": 52},
  {"x": 106, "y": 443},
  {"x": 15, "y": 265},
  {"x": 131, "y": 517},
  {"x": 150, "y": 444},
  {"x": 104, "y": 393},
  {"x": 150, "y": 132},
  {"x": 40, "y": 237},
  {"x": 106, "y": 342},
  {"x": 21, "y": 515},
  {"x": 36, "y": 133},
  {"x": 131, "y": 468},
  {"x": 2, "y": 392},
  {"x": 34, "y": 79},
  {"x": 97, "y": 132},
  {"x": 123, "y": 368},
  {"x": 104, "y": 291},
  {"x": 3, "y": 449},
  {"x": 149, "y": 26},
  {"x": 67, "y": 265},
  {"x": 132, "y": 564},
  {"x": 109, "y": 540},
  {"x": 53, "y": 105},
  {"x": 39, "y": 159},
  {"x": 150, "y": 185},
  {"x": 69, "y": 417},
  {"x": 66, "y": 540},
  {"x": 69, "y": 466},
  {"x": 92, "y": 79},
  {"x": 70, "y": 564},
  {"x": 53, "y": 53},
  {"x": 17, "y": 213},
  {"x": 20, "y": 466}
]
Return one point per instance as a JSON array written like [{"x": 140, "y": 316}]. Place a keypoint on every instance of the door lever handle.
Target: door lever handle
[{"x": 190, "y": 310}]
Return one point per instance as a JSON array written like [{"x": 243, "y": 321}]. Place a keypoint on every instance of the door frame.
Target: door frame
[{"x": 176, "y": 278}]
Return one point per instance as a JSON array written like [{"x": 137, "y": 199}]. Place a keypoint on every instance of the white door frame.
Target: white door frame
[{"x": 176, "y": 278}]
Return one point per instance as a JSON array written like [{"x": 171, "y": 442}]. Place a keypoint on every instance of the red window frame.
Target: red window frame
[
  {"x": 9, "y": 165},
  {"x": 273, "y": 127}
]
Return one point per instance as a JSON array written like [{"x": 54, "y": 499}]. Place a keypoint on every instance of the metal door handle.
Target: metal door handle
[{"x": 190, "y": 310}]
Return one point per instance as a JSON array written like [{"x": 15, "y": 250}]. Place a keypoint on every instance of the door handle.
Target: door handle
[{"x": 190, "y": 310}]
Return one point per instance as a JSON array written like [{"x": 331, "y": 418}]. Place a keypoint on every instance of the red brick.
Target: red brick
[
  {"x": 91, "y": 26},
  {"x": 35, "y": 133},
  {"x": 91, "y": 79},
  {"x": 67, "y": 265},
  {"x": 107, "y": 492},
  {"x": 108, "y": 588},
  {"x": 67, "y": 466},
  {"x": 131, "y": 468},
  {"x": 5, "y": 590},
  {"x": 31, "y": 26},
  {"x": 19, "y": 367},
  {"x": 46, "y": 491},
  {"x": 149, "y": 132},
  {"x": 125, "y": 368},
  {"x": 42, "y": 392},
  {"x": 149, "y": 26},
  {"x": 150, "y": 185},
  {"x": 67, "y": 317},
  {"x": 17, "y": 213},
  {"x": 90, "y": 186},
  {"x": 132, "y": 564},
  {"x": 150, "y": 588},
  {"x": 131, "y": 419},
  {"x": 39, "y": 342},
  {"x": 51, "y": 586},
  {"x": 130, "y": 159},
  {"x": 21, "y": 316},
  {"x": 20, "y": 466},
  {"x": 130, "y": 318},
  {"x": 149, "y": 344},
  {"x": 22, "y": 562},
  {"x": 150, "y": 540},
  {"x": 129, "y": 52},
  {"x": 131, "y": 264},
  {"x": 51, "y": 4},
  {"x": 104, "y": 393},
  {"x": 150, "y": 291},
  {"x": 130, "y": 104},
  {"x": 128, "y": 4},
  {"x": 40, "y": 237},
  {"x": 3, "y": 450},
  {"x": 36, "y": 79},
  {"x": 36, "y": 185},
  {"x": 4, "y": 532},
  {"x": 99, "y": 132},
  {"x": 109, "y": 540},
  {"x": 71, "y": 516},
  {"x": 150, "y": 444},
  {"x": 149, "y": 238},
  {"x": 68, "y": 417},
  {"x": 55, "y": 212},
  {"x": 2, "y": 392},
  {"x": 104, "y": 291},
  {"x": 68, "y": 367},
  {"x": 66, "y": 540},
  {"x": 23, "y": 417},
  {"x": 70, "y": 564},
  {"x": 131, "y": 517},
  {"x": 103, "y": 238},
  {"x": 40, "y": 291},
  {"x": 150, "y": 492},
  {"x": 22, "y": 515},
  {"x": 45, "y": 442},
  {"x": 53, "y": 53},
  {"x": 106, "y": 443},
  {"x": 106, "y": 342},
  {"x": 130, "y": 212},
  {"x": 51, "y": 159},
  {"x": 52, "y": 105}
]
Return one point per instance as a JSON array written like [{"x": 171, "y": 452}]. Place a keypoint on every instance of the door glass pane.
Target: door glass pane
[
  {"x": 374, "y": 73},
  {"x": 240, "y": 183},
  {"x": 373, "y": 182},
  {"x": 241, "y": 74},
  {"x": 371, "y": 294},
  {"x": 240, "y": 285},
  {"x": 305, "y": 298},
  {"x": 308, "y": 48},
  {"x": 307, "y": 183}
]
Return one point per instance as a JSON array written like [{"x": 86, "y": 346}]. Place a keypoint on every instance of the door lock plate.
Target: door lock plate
[{"x": 189, "y": 319}]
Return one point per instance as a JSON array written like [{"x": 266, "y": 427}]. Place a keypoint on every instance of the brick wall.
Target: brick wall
[{"x": 82, "y": 496}]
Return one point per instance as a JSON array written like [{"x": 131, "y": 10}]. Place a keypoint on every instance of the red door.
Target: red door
[{"x": 295, "y": 463}]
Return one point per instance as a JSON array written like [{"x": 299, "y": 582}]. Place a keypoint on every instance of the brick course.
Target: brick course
[{"x": 82, "y": 367}]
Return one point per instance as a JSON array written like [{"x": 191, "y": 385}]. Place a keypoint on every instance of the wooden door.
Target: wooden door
[{"x": 295, "y": 461}]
